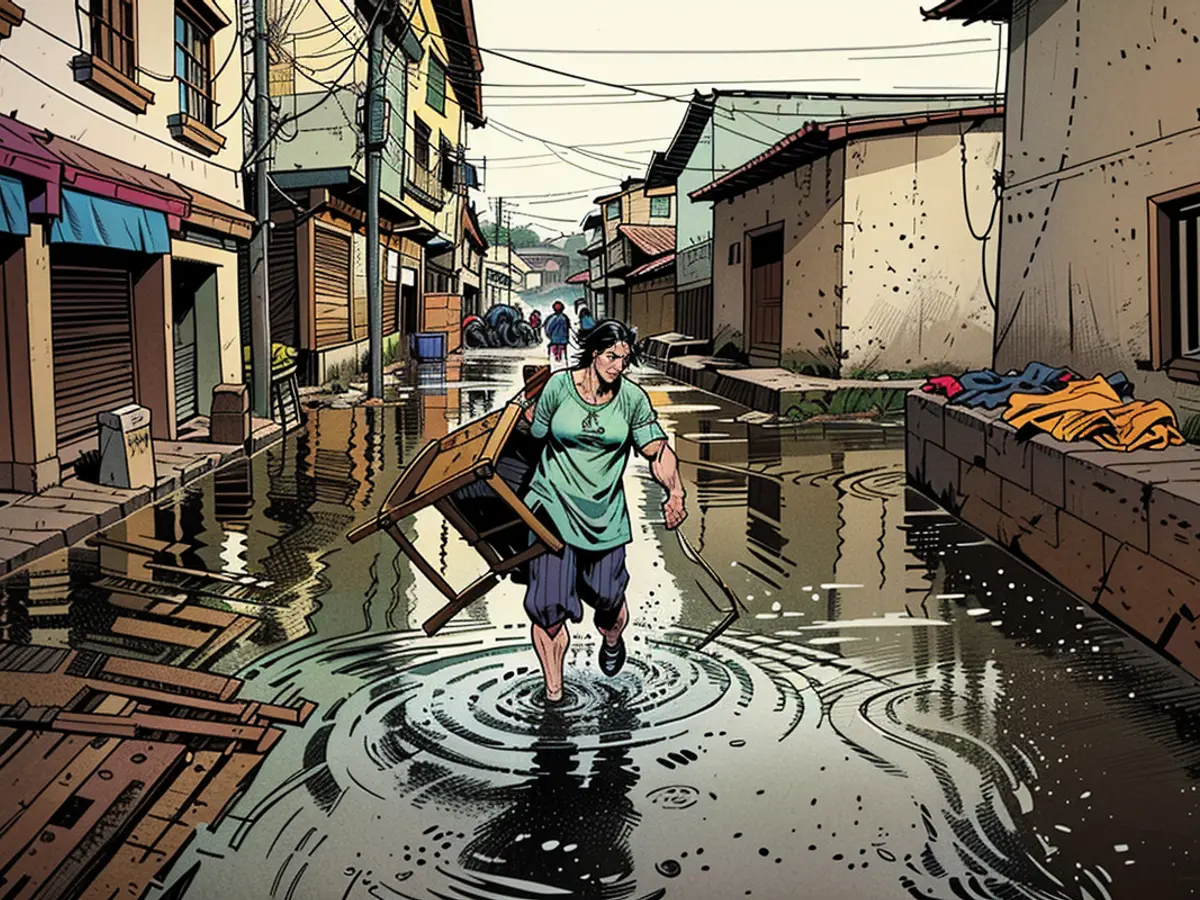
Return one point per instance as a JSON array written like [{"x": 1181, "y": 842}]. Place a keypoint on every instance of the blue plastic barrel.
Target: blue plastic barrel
[{"x": 428, "y": 345}]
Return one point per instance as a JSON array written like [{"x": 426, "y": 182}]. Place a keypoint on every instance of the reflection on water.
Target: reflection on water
[{"x": 901, "y": 712}]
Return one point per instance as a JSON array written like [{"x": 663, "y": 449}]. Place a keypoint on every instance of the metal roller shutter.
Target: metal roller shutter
[
  {"x": 332, "y": 251},
  {"x": 281, "y": 269},
  {"x": 92, "y": 320}
]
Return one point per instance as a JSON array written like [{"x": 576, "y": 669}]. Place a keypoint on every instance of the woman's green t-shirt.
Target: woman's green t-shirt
[{"x": 578, "y": 479}]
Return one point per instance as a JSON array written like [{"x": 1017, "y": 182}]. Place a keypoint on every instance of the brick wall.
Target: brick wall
[{"x": 1119, "y": 530}]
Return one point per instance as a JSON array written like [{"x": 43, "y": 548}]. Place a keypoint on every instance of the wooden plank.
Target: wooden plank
[
  {"x": 114, "y": 705},
  {"x": 28, "y": 824},
  {"x": 158, "y": 631},
  {"x": 217, "y": 686},
  {"x": 470, "y": 594},
  {"x": 70, "y": 846},
  {"x": 233, "y": 732},
  {"x": 224, "y": 638},
  {"x": 185, "y": 787},
  {"x": 208, "y": 807},
  {"x": 545, "y": 535},
  {"x": 270, "y": 738},
  {"x": 295, "y": 715},
  {"x": 91, "y": 723},
  {"x": 128, "y": 873},
  {"x": 33, "y": 766},
  {"x": 422, "y": 564}
]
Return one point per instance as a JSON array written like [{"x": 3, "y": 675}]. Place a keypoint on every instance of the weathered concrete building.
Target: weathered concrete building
[
  {"x": 635, "y": 227},
  {"x": 1098, "y": 267},
  {"x": 720, "y": 131},
  {"x": 120, "y": 280},
  {"x": 318, "y": 246},
  {"x": 847, "y": 247}
]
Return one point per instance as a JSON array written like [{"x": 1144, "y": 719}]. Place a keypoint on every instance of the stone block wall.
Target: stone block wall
[{"x": 1119, "y": 530}]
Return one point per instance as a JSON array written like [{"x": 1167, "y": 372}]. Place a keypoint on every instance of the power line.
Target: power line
[
  {"x": 736, "y": 82},
  {"x": 676, "y": 51}
]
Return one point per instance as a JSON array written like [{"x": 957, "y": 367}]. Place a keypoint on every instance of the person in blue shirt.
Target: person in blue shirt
[
  {"x": 586, "y": 320},
  {"x": 558, "y": 332},
  {"x": 591, "y": 418}
]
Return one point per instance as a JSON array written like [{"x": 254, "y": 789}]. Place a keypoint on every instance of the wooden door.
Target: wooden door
[{"x": 766, "y": 295}]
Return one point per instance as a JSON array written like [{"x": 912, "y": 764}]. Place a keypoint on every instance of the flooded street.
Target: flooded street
[{"x": 901, "y": 710}]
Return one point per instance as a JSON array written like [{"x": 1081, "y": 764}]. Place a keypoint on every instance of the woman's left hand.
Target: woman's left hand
[{"x": 674, "y": 512}]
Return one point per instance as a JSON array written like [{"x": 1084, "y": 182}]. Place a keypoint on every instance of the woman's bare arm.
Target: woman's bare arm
[{"x": 664, "y": 466}]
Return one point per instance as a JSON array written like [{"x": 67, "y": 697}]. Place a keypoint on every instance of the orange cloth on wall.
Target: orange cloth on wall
[{"x": 1091, "y": 410}]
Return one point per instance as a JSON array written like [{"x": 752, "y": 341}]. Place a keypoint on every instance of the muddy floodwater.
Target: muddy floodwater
[{"x": 901, "y": 710}]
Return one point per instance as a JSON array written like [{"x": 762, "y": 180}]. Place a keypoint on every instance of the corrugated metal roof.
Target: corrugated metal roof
[
  {"x": 665, "y": 167},
  {"x": 654, "y": 267},
  {"x": 820, "y": 138},
  {"x": 971, "y": 10},
  {"x": 654, "y": 240}
]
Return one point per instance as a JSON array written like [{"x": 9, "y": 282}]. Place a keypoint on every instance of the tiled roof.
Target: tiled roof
[
  {"x": 654, "y": 267},
  {"x": 820, "y": 138},
  {"x": 580, "y": 277},
  {"x": 654, "y": 240}
]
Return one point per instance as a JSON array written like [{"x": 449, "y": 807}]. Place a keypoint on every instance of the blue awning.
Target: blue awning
[
  {"x": 14, "y": 216},
  {"x": 100, "y": 222}
]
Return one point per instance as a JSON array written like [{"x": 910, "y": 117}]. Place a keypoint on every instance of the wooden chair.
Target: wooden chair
[{"x": 474, "y": 477}]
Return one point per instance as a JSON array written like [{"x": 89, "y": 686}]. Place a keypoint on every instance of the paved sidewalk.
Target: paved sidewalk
[{"x": 34, "y": 525}]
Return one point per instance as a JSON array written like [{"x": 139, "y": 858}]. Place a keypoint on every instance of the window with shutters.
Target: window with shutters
[
  {"x": 193, "y": 65},
  {"x": 435, "y": 86},
  {"x": 421, "y": 138},
  {"x": 114, "y": 34}
]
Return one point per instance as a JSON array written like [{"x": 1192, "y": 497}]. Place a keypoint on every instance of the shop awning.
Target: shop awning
[
  {"x": 101, "y": 222},
  {"x": 14, "y": 217},
  {"x": 218, "y": 216}
]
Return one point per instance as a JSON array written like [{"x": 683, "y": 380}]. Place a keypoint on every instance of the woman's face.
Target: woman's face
[{"x": 611, "y": 362}]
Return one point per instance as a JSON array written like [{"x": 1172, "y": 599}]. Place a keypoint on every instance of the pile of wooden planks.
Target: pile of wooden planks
[{"x": 108, "y": 766}]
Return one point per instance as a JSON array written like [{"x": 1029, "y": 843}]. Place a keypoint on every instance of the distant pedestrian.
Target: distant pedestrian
[
  {"x": 586, "y": 320},
  {"x": 558, "y": 332},
  {"x": 535, "y": 322}
]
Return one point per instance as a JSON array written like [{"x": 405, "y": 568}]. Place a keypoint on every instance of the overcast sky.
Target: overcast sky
[{"x": 942, "y": 57}]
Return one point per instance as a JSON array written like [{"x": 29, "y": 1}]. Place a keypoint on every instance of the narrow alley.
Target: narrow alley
[{"x": 900, "y": 709}]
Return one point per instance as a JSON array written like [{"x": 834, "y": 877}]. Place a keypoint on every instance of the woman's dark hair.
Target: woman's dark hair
[{"x": 596, "y": 340}]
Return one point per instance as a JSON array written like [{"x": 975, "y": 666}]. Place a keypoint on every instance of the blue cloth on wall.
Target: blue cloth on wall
[
  {"x": 101, "y": 222},
  {"x": 991, "y": 390},
  {"x": 14, "y": 215}
]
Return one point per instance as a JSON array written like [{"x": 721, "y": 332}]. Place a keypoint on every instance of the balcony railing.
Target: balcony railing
[{"x": 425, "y": 184}]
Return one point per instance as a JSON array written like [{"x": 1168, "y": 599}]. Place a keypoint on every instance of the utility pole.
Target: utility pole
[
  {"x": 375, "y": 122},
  {"x": 260, "y": 286},
  {"x": 499, "y": 218},
  {"x": 508, "y": 233}
]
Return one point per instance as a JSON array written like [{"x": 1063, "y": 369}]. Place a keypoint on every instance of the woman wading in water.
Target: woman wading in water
[{"x": 591, "y": 417}]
